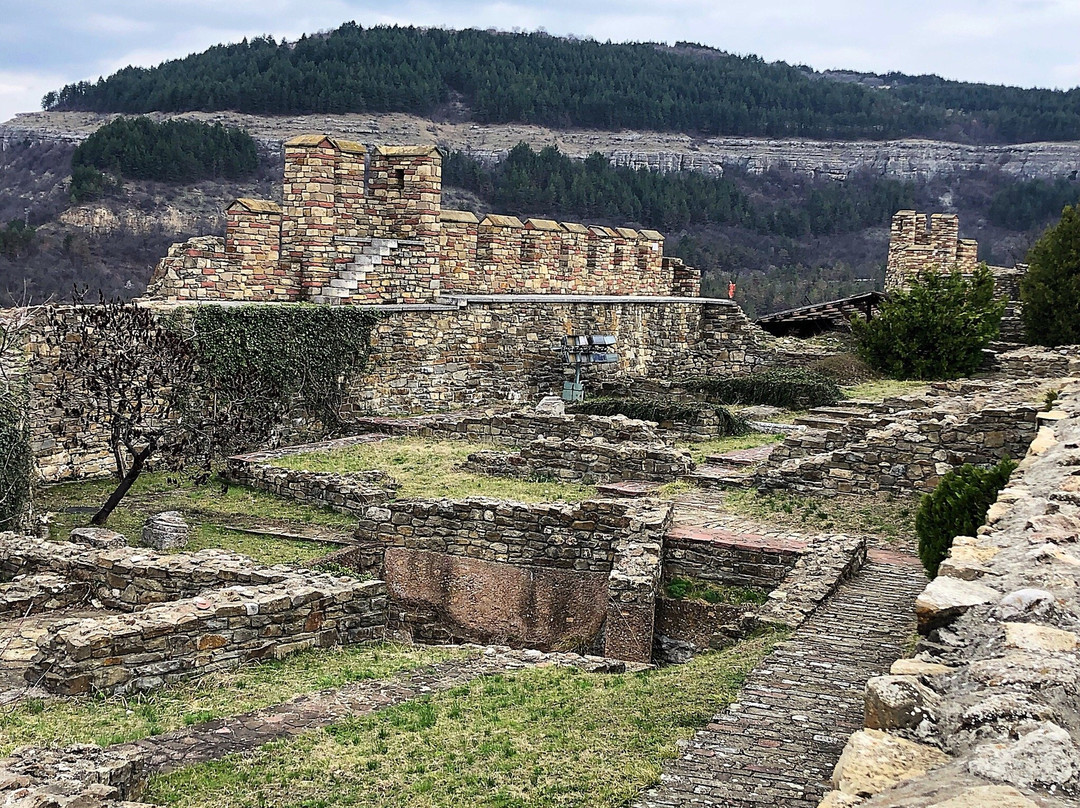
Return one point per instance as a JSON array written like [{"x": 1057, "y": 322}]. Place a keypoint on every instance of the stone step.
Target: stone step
[
  {"x": 743, "y": 458},
  {"x": 821, "y": 422},
  {"x": 629, "y": 488},
  {"x": 839, "y": 412},
  {"x": 707, "y": 476}
]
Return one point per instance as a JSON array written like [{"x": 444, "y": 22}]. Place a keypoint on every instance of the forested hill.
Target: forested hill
[{"x": 493, "y": 77}]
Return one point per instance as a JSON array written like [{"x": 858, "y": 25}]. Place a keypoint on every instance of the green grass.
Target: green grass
[
  {"x": 538, "y": 737},
  {"x": 429, "y": 469},
  {"x": 892, "y": 518},
  {"x": 205, "y": 507},
  {"x": 692, "y": 589},
  {"x": 699, "y": 451},
  {"x": 117, "y": 720},
  {"x": 881, "y": 389}
]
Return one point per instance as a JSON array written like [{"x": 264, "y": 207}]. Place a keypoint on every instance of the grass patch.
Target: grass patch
[
  {"x": 892, "y": 518},
  {"x": 538, "y": 737},
  {"x": 431, "y": 468},
  {"x": 692, "y": 589},
  {"x": 881, "y": 389},
  {"x": 700, "y": 450},
  {"x": 204, "y": 506},
  {"x": 109, "y": 720}
]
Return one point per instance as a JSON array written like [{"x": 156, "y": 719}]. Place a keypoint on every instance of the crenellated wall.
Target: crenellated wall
[{"x": 368, "y": 227}]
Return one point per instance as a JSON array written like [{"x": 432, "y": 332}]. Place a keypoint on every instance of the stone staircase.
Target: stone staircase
[
  {"x": 731, "y": 469},
  {"x": 778, "y": 744}
]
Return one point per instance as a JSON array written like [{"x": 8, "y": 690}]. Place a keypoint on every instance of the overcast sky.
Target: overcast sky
[{"x": 45, "y": 44}]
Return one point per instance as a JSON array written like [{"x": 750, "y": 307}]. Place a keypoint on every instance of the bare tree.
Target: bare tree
[
  {"x": 124, "y": 367},
  {"x": 16, "y": 463}
]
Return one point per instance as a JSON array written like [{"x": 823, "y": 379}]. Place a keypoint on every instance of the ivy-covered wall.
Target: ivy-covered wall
[
  {"x": 277, "y": 374},
  {"x": 263, "y": 375}
]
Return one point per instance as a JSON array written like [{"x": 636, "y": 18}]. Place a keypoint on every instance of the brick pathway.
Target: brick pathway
[
  {"x": 246, "y": 732},
  {"x": 777, "y": 745}
]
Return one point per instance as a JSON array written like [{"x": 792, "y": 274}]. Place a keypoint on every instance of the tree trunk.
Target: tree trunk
[{"x": 137, "y": 462}]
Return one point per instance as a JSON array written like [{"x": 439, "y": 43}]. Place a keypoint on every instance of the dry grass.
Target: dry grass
[
  {"x": 699, "y": 451},
  {"x": 539, "y": 737},
  {"x": 881, "y": 389},
  {"x": 431, "y": 468}
]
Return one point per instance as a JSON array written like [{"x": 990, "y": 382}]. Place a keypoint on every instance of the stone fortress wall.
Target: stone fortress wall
[
  {"x": 362, "y": 228},
  {"x": 919, "y": 243}
]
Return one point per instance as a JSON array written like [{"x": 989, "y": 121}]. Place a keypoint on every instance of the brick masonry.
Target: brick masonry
[
  {"x": 481, "y": 568},
  {"x": 347, "y": 233}
]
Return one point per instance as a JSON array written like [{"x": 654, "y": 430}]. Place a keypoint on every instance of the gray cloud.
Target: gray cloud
[{"x": 1025, "y": 42}]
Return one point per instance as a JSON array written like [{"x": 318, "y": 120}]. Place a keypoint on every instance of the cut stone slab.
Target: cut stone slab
[
  {"x": 98, "y": 537},
  {"x": 898, "y": 702},
  {"x": 166, "y": 531},
  {"x": 873, "y": 761},
  {"x": 551, "y": 405},
  {"x": 917, "y": 667},
  {"x": 987, "y": 797},
  {"x": 945, "y": 599},
  {"x": 1033, "y": 637}
]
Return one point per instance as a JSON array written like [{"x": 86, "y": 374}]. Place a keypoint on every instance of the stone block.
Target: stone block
[
  {"x": 873, "y": 761},
  {"x": 945, "y": 599}
]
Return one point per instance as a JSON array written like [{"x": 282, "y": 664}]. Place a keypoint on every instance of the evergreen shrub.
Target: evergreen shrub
[
  {"x": 790, "y": 388},
  {"x": 936, "y": 329},
  {"x": 957, "y": 507}
]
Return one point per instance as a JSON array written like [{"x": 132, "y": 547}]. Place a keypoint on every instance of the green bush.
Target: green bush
[
  {"x": 936, "y": 329},
  {"x": 661, "y": 410},
  {"x": 790, "y": 388},
  {"x": 15, "y": 463},
  {"x": 957, "y": 507},
  {"x": 1051, "y": 288}
]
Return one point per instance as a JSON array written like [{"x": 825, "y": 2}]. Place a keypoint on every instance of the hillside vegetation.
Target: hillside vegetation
[
  {"x": 495, "y": 77},
  {"x": 171, "y": 151}
]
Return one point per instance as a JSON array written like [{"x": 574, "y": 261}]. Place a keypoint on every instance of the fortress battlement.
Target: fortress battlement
[{"x": 366, "y": 227}]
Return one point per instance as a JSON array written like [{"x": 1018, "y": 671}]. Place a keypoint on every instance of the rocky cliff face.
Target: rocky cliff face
[{"x": 910, "y": 159}]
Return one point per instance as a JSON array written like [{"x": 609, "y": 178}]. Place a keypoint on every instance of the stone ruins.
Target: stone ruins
[{"x": 984, "y": 710}]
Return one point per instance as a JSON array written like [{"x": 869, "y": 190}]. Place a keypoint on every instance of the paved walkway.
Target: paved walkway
[
  {"x": 243, "y": 733},
  {"x": 777, "y": 746}
]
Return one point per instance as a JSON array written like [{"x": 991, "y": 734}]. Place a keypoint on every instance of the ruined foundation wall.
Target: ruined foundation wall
[
  {"x": 549, "y": 575},
  {"x": 487, "y": 351}
]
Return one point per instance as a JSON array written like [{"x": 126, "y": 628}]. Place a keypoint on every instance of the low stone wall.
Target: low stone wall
[
  {"x": 79, "y": 776},
  {"x": 1036, "y": 362},
  {"x": 128, "y": 578},
  {"x": 548, "y": 575},
  {"x": 579, "y": 537},
  {"x": 345, "y": 493},
  {"x": 986, "y": 712},
  {"x": 686, "y": 628},
  {"x": 513, "y": 428},
  {"x": 589, "y": 462},
  {"x": 729, "y": 563},
  {"x": 218, "y": 630},
  {"x": 827, "y": 561},
  {"x": 909, "y": 454}
]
